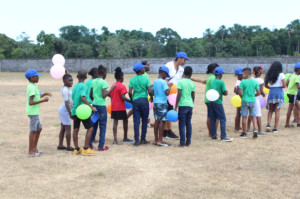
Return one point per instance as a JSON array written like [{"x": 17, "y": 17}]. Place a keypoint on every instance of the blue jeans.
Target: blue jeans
[
  {"x": 185, "y": 116},
  {"x": 140, "y": 108},
  {"x": 102, "y": 126},
  {"x": 217, "y": 112}
]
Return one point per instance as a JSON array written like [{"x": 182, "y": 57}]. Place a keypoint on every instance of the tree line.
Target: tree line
[{"x": 81, "y": 42}]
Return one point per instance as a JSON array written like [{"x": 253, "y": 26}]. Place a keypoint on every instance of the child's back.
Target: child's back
[
  {"x": 117, "y": 103},
  {"x": 79, "y": 90},
  {"x": 159, "y": 87},
  {"x": 219, "y": 85},
  {"x": 97, "y": 85},
  {"x": 139, "y": 84},
  {"x": 187, "y": 86},
  {"x": 292, "y": 87},
  {"x": 249, "y": 87}
]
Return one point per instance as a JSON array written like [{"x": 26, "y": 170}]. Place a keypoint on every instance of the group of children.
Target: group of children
[{"x": 94, "y": 92}]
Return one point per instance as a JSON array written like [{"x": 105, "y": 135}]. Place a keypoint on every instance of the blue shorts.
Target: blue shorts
[
  {"x": 208, "y": 108},
  {"x": 248, "y": 106},
  {"x": 160, "y": 111}
]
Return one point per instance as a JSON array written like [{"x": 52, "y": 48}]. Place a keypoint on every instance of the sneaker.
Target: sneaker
[
  {"x": 274, "y": 130},
  {"x": 163, "y": 144},
  {"x": 75, "y": 152},
  {"x": 172, "y": 136},
  {"x": 88, "y": 152},
  {"x": 103, "y": 149},
  {"x": 167, "y": 143},
  {"x": 226, "y": 139},
  {"x": 248, "y": 131},
  {"x": 128, "y": 141},
  {"x": 165, "y": 134},
  {"x": 243, "y": 135},
  {"x": 268, "y": 128},
  {"x": 215, "y": 138},
  {"x": 136, "y": 144},
  {"x": 295, "y": 121},
  {"x": 144, "y": 142},
  {"x": 255, "y": 131},
  {"x": 262, "y": 133}
]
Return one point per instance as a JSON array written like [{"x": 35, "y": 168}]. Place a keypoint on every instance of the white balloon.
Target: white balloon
[
  {"x": 58, "y": 59},
  {"x": 150, "y": 114},
  {"x": 212, "y": 95}
]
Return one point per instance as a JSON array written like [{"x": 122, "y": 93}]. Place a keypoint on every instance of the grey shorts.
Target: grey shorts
[{"x": 35, "y": 122}]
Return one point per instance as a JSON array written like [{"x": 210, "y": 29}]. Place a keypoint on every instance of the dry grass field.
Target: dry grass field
[{"x": 267, "y": 167}]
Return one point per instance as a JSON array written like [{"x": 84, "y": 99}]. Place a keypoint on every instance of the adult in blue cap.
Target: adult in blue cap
[{"x": 176, "y": 73}]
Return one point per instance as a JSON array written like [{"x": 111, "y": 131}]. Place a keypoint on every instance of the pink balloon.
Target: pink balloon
[
  {"x": 58, "y": 59},
  {"x": 57, "y": 71},
  {"x": 150, "y": 105},
  {"x": 172, "y": 99}
]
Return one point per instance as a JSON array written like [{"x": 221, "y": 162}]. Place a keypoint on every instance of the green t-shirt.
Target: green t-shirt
[
  {"x": 292, "y": 88},
  {"x": 139, "y": 84},
  {"x": 145, "y": 75},
  {"x": 32, "y": 89},
  {"x": 219, "y": 86},
  {"x": 249, "y": 86},
  {"x": 97, "y": 85},
  {"x": 187, "y": 87},
  {"x": 79, "y": 90},
  {"x": 89, "y": 84},
  {"x": 208, "y": 85}
]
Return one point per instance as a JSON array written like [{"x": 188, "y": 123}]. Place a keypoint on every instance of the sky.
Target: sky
[{"x": 190, "y": 18}]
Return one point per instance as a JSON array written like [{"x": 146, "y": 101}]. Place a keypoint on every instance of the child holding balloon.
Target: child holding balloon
[
  {"x": 237, "y": 124},
  {"x": 118, "y": 109}
]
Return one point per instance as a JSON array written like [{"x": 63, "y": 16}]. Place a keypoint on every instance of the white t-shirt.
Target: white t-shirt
[
  {"x": 67, "y": 95},
  {"x": 278, "y": 83},
  {"x": 259, "y": 81},
  {"x": 175, "y": 76}
]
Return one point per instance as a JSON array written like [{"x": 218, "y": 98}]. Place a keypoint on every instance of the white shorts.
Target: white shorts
[
  {"x": 64, "y": 115},
  {"x": 257, "y": 107}
]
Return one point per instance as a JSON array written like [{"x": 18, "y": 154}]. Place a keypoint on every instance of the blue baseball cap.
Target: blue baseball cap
[
  {"x": 32, "y": 73},
  {"x": 238, "y": 71},
  {"x": 138, "y": 66},
  {"x": 219, "y": 71},
  {"x": 297, "y": 65},
  {"x": 182, "y": 55},
  {"x": 165, "y": 69}
]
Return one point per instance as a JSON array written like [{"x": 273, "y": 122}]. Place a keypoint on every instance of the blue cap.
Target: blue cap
[
  {"x": 238, "y": 71},
  {"x": 165, "y": 69},
  {"x": 32, "y": 73},
  {"x": 297, "y": 65},
  {"x": 138, "y": 66},
  {"x": 219, "y": 71},
  {"x": 182, "y": 55}
]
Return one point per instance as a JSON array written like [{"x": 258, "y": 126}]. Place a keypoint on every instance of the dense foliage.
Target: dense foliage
[{"x": 80, "y": 42}]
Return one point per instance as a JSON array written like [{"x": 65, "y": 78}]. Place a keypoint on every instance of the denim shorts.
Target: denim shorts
[
  {"x": 35, "y": 122},
  {"x": 248, "y": 106},
  {"x": 160, "y": 111}
]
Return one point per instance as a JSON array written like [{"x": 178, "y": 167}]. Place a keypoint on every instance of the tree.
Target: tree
[
  {"x": 46, "y": 47},
  {"x": 117, "y": 47},
  {"x": 75, "y": 34},
  {"x": 208, "y": 47}
]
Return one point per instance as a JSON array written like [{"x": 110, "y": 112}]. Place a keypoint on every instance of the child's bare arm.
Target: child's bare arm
[
  {"x": 287, "y": 82},
  {"x": 234, "y": 90},
  {"x": 257, "y": 93},
  {"x": 91, "y": 94},
  {"x": 46, "y": 94},
  {"x": 130, "y": 93},
  {"x": 225, "y": 93},
  {"x": 267, "y": 86},
  {"x": 150, "y": 93},
  {"x": 261, "y": 88},
  {"x": 178, "y": 98},
  {"x": 31, "y": 102},
  {"x": 240, "y": 93},
  {"x": 68, "y": 107},
  {"x": 125, "y": 99},
  {"x": 193, "y": 95},
  {"x": 106, "y": 93},
  {"x": 297, "y": 84},
  {"x": 83, "y": 99},
  {"x": 283, "y": 83}
]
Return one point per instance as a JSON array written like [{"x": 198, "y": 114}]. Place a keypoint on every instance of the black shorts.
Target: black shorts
[
  {"x": 170, "y": 107},
  {"x": 119, "y": 115},
  {"x": 292, "y": 98},
  {"x": 86, "y": 123}
]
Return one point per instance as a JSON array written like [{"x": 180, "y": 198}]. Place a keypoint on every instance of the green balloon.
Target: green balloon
[
  {"x": 83, "y": 112},
  {"x": 286, "y": 98},
  {"x": 287, "y": 76}
]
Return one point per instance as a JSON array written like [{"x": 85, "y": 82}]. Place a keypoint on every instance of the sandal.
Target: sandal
[
  {"x": 70, "y": 149},
  {"x": 237, "y": 131},
  {"x": 35, "y": 155},
  {"x": 61, "y": 148},
  {"x": 298, "y": 125},
  {"x": 162, "y": 144},
  {"x": 150, "y": 125},
  {"x": 290, "y": 126},
  {"x": 115, "y": 143}
]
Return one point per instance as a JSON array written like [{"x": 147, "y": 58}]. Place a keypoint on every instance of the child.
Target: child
[
  {"x": 293, "y": 86},
  {"x": 210, "y": 71},
  {"x": 65, "y": 115},
  {"x": 33, "y": 111},
  {"x": 160, "y": 106},
  {"x": 98, "y": 94},
  {"x": 246, "y": 92},
  {"x": 147, "y": 69},
  {"x": 185, "y": 101},
  {"x": 94, "y": 73},
  {"x": 118, "y": 109},
  {"x": 238, "y": 72},
  {"x": 275, "y": 78},
  {"x": 140, "y": 104},
  {"x": 216, "y": 107},
  {"x": 79, "y": 97}
]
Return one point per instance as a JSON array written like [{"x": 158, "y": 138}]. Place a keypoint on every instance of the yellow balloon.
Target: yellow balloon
[
  {"x": 236, "y": 101},
  {"x": 266, "y": 90},
  {"x": 149, "y": 97}
]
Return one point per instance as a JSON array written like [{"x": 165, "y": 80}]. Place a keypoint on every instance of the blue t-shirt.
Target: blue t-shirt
[{"x": 159, "y": 87}]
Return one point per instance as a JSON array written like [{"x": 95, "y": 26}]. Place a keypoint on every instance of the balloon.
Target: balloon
[
  {"x": 58, "y": 59},
  {"x": 212, "y": 95},
  {"x": 172, "y": 99},
  {"x": 150, "y": 106},
  {"x": 287, "y": 76},
  {"x": 149, "y": 97},
  {"x": 266, "y": 90},
  {"x": 172, "y": 115},
  {"x": 83, "y": 111},
  {"x": 150, "y": 114},
  {"x": 262, "y": 101},
  {"x": 40, "y": 92},
  {"x": 286, "y": 98},
  {"x": 128, "y": 105},
  {"x": 57, "y": 71},
  {"x": 173, "y": 89},
  {"x": 236, "y": 101},
  {"x": 109, "y": 109}
]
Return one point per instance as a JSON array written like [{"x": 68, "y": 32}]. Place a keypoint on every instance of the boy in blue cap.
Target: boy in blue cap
[
  {"x": 33, "y": 111},
  {"x": 140, "y": 105},
  {"x": 237, "y": 126},
  {"x": 217, "y": 109},
  {"x": 160, "y": 106}
]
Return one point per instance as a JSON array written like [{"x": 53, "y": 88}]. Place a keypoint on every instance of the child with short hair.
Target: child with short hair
[
  {"x": 65, "y": 114},
  {"x": 33, "y": 110},
  {"x": 147, "y": 69},
  {"x": 118, "y": 109},
  {"x": 237, "y": 122},
  {"x": 185, "y": 100},
  {"x": 79, "y": 97},
  {"x": 160, "y": 106},
  {"x": 293, "y": 86},
  {"x": 140, "y": 105},
  {"x": 247, "y": 92},
  {"x": 98, "y": 94}
]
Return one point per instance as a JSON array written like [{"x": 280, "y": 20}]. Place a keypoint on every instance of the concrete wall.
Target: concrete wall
[{"x": 199, "y": 64}]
